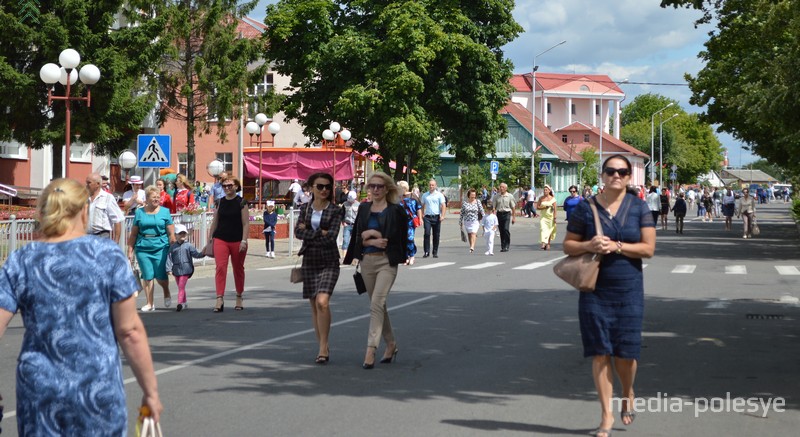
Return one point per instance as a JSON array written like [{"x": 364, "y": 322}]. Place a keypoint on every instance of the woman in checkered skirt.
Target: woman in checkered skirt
[{"x": 318, "y": 227}]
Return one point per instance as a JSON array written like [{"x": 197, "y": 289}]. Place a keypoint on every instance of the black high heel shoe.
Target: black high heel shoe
[
  {"x": 366, "y": 365},
  {"x": 393, "y": 358},
  {"x": 220, "y": 306}
]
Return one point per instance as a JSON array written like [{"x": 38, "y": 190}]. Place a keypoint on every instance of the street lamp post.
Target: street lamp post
[
  {"x": 68, "y": 75},
  {"x": 256, "y": 128},
  {"x": 127, "y": 160},
  {"x": 533, "y": 113},
  {"x": 332, "y": 135},
  {"x": 652, "y": 142},
  {"x": 661, "y": 150}
]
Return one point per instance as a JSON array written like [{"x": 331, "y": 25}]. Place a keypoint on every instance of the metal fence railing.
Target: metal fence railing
[{"x": 14, "y": 234}]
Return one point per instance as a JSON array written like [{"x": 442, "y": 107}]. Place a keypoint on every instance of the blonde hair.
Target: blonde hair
[
  {"x": 403, "y": 186},
  {"x": 151, "y": 189},
  {"x": 181, "y": 181},
  {"x": 61, "y": 201},
  {"x": 392, "y": 192}
]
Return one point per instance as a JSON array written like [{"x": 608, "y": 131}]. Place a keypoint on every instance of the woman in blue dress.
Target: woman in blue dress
[
  {"x": 572, "y": 200},
  {"x": 611, "y": 316},
  {"x": 75, "y": 293}
]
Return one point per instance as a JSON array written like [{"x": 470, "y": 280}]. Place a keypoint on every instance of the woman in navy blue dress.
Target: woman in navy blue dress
[
  {"x": 611, "y": 316},
  {"x": 76, "y": 295}
]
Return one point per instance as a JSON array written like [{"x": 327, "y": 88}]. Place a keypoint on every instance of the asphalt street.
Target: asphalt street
[{"x": 488, "y": 345}]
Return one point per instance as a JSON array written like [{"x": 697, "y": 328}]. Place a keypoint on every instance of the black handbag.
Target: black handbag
[{"x": 361, "y": 287}]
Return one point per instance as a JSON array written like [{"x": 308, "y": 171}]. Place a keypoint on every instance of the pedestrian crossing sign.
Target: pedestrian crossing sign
[
  {"x": 154, "y": 151},
  {"x": 544, "y": 167}
]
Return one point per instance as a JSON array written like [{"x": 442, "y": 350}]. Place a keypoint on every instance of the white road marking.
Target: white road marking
[
  {"x": 277, "y": 268},
  {"x": 482, "y": 266},
  {"x": 735, "y": 270},
  {"x": 787, "y": 270},
  {"x": 684, "y": 268},
  {"x": 536, "y": 265},
  {"x": 432, "y": 266},
  {"x": 171, "y": 369}
]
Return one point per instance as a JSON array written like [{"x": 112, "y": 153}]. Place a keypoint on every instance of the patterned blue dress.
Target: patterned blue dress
[
  {"x": 69, "y": 375},
  {"x": 411, "y": 206},
  {"x": 611, "y": 316}
]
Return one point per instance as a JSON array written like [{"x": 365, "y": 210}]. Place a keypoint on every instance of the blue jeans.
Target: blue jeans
[{"x": 346, "y": 231}]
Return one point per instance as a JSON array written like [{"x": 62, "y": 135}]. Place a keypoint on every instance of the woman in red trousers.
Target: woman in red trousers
[{"x": 230, "y": 230}]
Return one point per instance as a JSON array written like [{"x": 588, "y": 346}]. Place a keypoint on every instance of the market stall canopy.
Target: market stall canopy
[{"x": 294, "y": 163}]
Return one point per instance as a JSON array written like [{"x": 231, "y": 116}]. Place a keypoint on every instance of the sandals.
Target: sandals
[
  {"x": 220, "y": 305},
  {"x": 627, "y": 415},
  {"x": 602, "y": 432},
  {"x": 239, "y": 306}
]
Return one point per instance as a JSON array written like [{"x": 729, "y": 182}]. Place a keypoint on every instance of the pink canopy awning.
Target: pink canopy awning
[{"x": 288, "y": 164}]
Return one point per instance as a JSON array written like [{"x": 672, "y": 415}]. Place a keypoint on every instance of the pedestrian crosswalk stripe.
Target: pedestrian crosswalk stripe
[
  {"x": 787, "y": 270},
  {"x": 432, "y": 266},
  {"x": 684, "y": 268},
  {"x": 277, "y": 268},
  {"x": 482, "y": 266},
  {"x": 735, "y": 270},
  {"x": 536, "y": 265}
]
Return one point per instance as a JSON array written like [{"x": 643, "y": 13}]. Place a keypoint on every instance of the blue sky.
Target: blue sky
[{"x": 625, "y": 39}]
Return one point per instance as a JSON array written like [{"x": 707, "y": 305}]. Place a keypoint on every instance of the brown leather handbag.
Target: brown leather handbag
[{"x": 580, "y": 271}]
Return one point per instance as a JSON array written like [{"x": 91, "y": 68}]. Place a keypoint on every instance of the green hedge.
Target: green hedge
[{"x": 796, "y": 209}]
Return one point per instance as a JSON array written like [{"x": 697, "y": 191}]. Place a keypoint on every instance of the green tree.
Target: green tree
[
  {"x": 407, "y": 74},
  {"x": 516, "y": 170},
  {"x": 476, "y": 176},
  {"x": 749, "y": 85},
  {"x": 124, "y": 55},
  {"x": 204, "y": 76},
  {"x": 588, "y": 170},
  {"x": 687, "y": 142}
]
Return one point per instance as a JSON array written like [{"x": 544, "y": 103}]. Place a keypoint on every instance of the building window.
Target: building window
[
  {"x": 596, "y": 109},
  {"x": 564, "y": 138},
  {"x": 573, "y": 109},
  {"x": 585, "y": 138},
  {"x": 227, "y": 161},
  {"x": 259, "y": 90},
  {"x": 584, "y": 88},
  {"x": 183, "y": 163},
  {"x": 549, "y": 109},
  {"x": 13, "y": 149},
  {"x": 79, "y": 152}
]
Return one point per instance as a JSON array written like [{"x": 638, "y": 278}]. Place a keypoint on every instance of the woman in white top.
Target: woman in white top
[
  {"x": 470, "y": 217},
  {"x": 654, "y": 203},
  {"x": 728, "y": 208}
]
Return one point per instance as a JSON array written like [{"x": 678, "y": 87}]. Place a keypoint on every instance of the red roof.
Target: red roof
[
  {"x": 564, "y": 152},
  {"x": 610, "y": 144},
  {"x": 550, "y": 81},
  {"x": 250, "y": 28}
]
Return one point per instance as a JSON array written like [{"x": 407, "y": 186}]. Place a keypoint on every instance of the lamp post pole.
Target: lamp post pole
[
  {"x": 652, "y": 142},
  {"x": 533, "y": 113},
  {"x": 661, "y": 151},
  {"x": 332, "y": 136},
  {"x": 256, "y": 128},
  {"x": 68, "y": 75}
]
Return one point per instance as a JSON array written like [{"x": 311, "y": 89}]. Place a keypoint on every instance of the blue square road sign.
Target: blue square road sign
[{"x": 154, "y": 151}]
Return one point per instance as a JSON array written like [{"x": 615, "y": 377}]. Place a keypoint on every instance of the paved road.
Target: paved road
[{"x": 488, "y": 346}]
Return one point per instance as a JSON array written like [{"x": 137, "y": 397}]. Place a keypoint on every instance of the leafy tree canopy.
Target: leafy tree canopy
[
  {"x": 124, "y": 56},
  {"x": 406, "y": 74},
  {"x": 751, "y": 78}
]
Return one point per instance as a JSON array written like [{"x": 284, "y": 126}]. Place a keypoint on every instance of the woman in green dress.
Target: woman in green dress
[{"x": 150, "y": 237}]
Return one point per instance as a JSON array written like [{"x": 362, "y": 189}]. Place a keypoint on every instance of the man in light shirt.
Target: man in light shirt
[
  {"x": 504, "y": 205},
  {"x": 433, "y": 208},
  {"x": 104, "y": 213}
]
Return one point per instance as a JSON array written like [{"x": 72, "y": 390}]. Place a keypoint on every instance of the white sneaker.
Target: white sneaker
[
  {"x": 148, "y": 308},
  {"x": 167, "y": 302},
  {"x": 272, "y": 254},
  {"x": 487, "y": 253}
]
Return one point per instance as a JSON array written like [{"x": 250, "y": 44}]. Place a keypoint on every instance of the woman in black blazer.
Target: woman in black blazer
[
  {"x": 380, "y": 236},
  {"x": 318, "y": 227}
]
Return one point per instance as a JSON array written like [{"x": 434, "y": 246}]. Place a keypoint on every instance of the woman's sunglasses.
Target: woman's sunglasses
[
  {"x": 622, "y": 172},
  {"x": 321, "y": 187},
  {"x": 228, "y": 185},
  {"x": 376, "y": 187}
]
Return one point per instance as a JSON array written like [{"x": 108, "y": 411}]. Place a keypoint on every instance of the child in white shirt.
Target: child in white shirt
[{"x": 489, "y": 223}]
